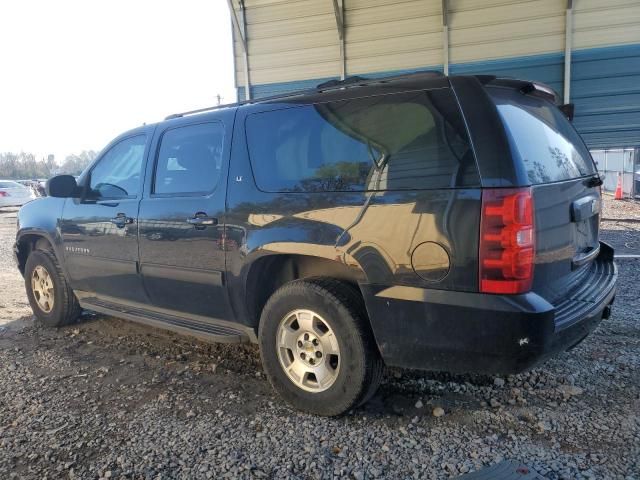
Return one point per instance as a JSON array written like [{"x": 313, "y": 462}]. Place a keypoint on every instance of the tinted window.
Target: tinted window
[
  {"x": 542, "y": 138},
  {"x": 190, "y": 159},
  {"x": 117, "y": 173},
  {"x": 388, "y": 142}
]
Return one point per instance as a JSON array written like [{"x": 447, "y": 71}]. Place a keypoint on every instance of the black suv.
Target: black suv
[{"x": 422, "y": 221}]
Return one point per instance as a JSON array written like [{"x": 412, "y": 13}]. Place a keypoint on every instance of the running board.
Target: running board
[{"x": 212, "y": 332}]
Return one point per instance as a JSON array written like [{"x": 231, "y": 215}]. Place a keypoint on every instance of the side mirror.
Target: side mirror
[{"x": 62, "y": 186}]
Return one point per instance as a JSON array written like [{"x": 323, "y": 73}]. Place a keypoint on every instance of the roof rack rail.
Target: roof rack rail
[
  {"x": 340, "y": 83},
  {"x": 354, "y": 81}
]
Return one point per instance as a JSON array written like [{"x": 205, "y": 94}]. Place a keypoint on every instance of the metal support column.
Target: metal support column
[
  {"x": 568, "y": 43},
  {"x": 241, "y": 29},
  {"x": 338, "y": 10},
  {"x": 445, "y": 38}
]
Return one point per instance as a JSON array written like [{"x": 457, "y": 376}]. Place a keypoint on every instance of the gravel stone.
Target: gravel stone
[
  {"x": 438, "y": 412},
  {"x": 570, "y": 390},
  {"x": 110, "y": 397}
]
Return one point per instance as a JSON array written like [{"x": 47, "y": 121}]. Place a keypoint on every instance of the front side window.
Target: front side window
[
  {"x": 117, "y": 173},
  {"x": 189, "y": 159},
  {"x": 408, "y": 141}
]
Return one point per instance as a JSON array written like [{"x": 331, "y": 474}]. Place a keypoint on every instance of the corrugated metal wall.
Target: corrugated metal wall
[
  {"x": 481, "y": 29},
  {"x": 388, "y": 35},
  {"x": 294, "y": 44},
  {"x": 605, "y": 82},
  {"x": 510, "y": 38},
  {"x": 289, "y": 40}
]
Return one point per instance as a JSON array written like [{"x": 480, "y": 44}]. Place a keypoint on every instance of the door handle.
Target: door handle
[
  {"x": 121, "y": 220},
  {"x": 202, "y": 220}
]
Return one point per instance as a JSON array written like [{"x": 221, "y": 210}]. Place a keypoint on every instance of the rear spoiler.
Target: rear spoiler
[{"x": 526, "y": 87}]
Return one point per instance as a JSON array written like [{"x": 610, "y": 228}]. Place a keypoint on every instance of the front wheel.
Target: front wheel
[
  {"x": 317, "y": 348},
  {"x": 50, "y": 296}
]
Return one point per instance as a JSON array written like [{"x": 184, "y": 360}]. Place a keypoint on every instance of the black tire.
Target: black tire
[
  {"x": 66, "y": 308},
  {"x": 342, "y": 307}
]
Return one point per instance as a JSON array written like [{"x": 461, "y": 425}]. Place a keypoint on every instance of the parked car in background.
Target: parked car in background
[
  {"x": 35, "y": 185},
  {"x": 13, "y": 194},
  {"x": 422, "y": 221},
  {"x": 42, "y": 184}
]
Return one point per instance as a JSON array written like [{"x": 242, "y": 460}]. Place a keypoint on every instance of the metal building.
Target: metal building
[{"x": 587, "y": 49}]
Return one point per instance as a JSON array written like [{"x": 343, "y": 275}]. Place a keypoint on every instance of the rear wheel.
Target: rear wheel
[
  {"x": 50, "y": 296},
  {"x": 316, "y": 346}
]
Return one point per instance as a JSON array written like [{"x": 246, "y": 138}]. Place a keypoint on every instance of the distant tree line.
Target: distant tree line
[
  {"x": 26, "y": 166},
  {"x": 75, "y": 164}
]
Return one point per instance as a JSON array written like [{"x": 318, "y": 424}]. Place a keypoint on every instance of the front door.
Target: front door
[
  {"x": 182, "y": 257},
  {"x": 99, "y": 231}
]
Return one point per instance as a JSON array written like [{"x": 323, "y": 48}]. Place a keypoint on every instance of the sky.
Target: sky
[{"x": 76, "y": 73}]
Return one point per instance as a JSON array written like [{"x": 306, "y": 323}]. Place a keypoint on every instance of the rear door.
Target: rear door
[
  {"x": 182, "y": 256},
  {"x": 565, "y": 188}
]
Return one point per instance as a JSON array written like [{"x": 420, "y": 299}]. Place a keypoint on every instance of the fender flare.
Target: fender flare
[{"x": 54, "y": 240}]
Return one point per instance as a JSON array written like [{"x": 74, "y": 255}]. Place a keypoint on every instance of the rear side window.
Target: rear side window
[
  {"x": 189, "y": 159},
  {"x": 403, "y": 141},
  {"x": 542, "y": 138}
]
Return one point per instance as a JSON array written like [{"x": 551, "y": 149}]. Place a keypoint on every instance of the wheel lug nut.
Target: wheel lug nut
[
  {"x": 312, "y": 361},
  {"x": 315, "y": 342},
  {"x": 302, "y": 355},
  {"x": 300, "y": 343},
  {"x": 319, "y": 354},
  {"x": 306, "y": 336}
]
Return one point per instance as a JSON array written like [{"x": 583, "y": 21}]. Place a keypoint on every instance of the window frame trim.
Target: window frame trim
[{"x": 153, "y": 194}]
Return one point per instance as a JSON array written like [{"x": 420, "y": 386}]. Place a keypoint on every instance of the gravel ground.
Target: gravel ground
[
  {"x": 620, "y": 209},
  {"x": 622, "y": 229},
  {"x": 110, "y": 399}
]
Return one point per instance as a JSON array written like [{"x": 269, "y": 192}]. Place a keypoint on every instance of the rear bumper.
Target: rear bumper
[{"x": 472, "y": 332}]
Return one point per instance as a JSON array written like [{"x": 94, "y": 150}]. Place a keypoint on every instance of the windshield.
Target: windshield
[{"x": 542, "y": 138}]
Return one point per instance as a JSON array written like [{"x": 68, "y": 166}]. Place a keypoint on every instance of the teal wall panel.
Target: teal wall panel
[{"x": 605, "y": 87}]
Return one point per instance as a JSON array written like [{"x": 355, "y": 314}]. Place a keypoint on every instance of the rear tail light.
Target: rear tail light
[
  {"x": 507, "y": 245},
  {"x": 3, "y": 194}
]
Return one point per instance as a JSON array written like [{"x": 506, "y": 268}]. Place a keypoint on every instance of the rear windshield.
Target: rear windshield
[{"x": 542, "y": 138}]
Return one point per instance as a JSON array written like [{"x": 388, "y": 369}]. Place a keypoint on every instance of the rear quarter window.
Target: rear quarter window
[
  {"x": 407, "y": 141},
  {"x": 541, "y": 137}
]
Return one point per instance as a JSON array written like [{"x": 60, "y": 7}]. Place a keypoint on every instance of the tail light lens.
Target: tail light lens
[
  {"x": 507, "y": 236},
  {"x": 3, "y": 193}
]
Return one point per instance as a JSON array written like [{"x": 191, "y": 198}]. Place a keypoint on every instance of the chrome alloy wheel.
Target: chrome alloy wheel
[
  {"x": 308, "y": 350},
  {"x": 42, "y": 288}
]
